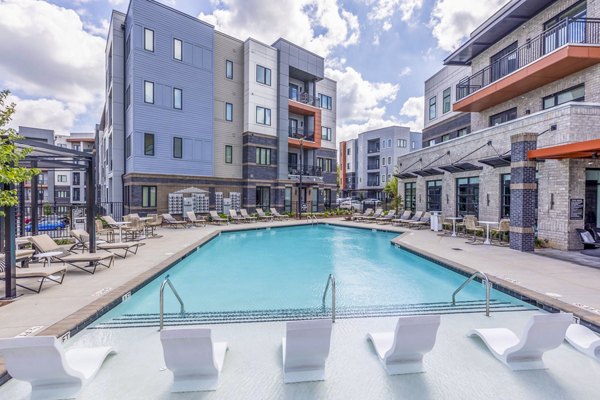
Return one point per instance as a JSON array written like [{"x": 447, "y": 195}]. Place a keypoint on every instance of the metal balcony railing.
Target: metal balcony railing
[
  {"x": 306, "y": 99},
  {"x": 568, "y": 31},
  {"x": 299, "y": 133},
  {"x": 307, "y": 170}
]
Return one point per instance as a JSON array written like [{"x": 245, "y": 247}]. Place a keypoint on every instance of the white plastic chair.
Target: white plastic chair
[
  {"x": 52, "y": 372},
  {"x": 402, "y": 351},
  {"x": 584, "y": 340},
  {"x": 543, "y": 332},
  {"x": 305, "y": 350},
  {"x": 194, "y": 359}
]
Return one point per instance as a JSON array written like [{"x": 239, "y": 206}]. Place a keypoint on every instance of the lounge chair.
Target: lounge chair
[
  {"x": 191, "y": 216},
  {"x": 39, "y": 273},
  {"x": 584, "y": 340},
  {"x": 305, "y": 349},
  {"x": 52, "y": 372},
  {"x": 262, "y": 215},
  {"x": 405, "y": 217},
  {"x": 235, "y": 217},
  {"x": 543, "y": 332},
  {"x": 276, "y": 214},
  {"x": 172, "y": 222},
  {"x": 415, "y": 218},
  {"x": 216, "y": 218},
  {"x": 424, "y": 222},
  {"x": 245, "y": 214},
  {"x": 358, "y": 216},
  {"x": 387, "y": 219},
  {"x": 82, "y": 238},
  {"x": 194, "y": 359},
  {"x": 373, "y": 217},
  {"x": 155, "y": 222},
  {"x": 402, "y": 350}
]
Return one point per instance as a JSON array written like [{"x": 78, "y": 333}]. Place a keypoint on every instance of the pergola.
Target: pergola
[{"x": 46, "y": 157}]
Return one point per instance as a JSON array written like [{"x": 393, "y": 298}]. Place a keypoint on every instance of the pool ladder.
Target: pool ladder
[
  {"x": 312, "y": 218},
  {"x": 330, "y": 280},
  {"x": 162, "y": 300},
  {"x": 488, "y": 286}
]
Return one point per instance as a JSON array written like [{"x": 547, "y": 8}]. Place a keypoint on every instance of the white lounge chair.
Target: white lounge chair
[
  {"x": 52, "y": 372},
  {"x": 542, "y": 333},
  {"x": 402, "y": 351},
  {"x": 305, "y": 348},
  {"x": 194, "y": 359},
  {"x": 584, "y": 340}
]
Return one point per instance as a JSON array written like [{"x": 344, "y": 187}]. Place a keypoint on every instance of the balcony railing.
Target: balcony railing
[
  {"x": 298, "y": 133},
  {"x": 306, "y": 99},
  {"x": 568, "y": 31},
  {"x": 307, "y": 170},
  {"x": 372, "y": 149}
]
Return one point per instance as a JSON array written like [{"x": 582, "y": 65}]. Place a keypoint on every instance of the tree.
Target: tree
[
  {"x": 391, "y": 188},
  {"x": 10, "y": 155}
]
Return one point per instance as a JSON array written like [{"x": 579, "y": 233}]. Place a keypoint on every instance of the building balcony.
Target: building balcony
[
  {"x": 307, "y": 170},
  {"x": 298, "y": 133},
  {"x": 306, "y": 98},
  {"x": 569, "y": 47}
]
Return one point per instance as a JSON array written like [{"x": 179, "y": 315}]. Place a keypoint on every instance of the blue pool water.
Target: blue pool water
[{"x": 287, "y": 268}]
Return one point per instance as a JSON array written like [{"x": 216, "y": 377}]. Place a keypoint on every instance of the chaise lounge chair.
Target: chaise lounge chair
[
  {"x": 262, "y": 215},
  {"x": 52, "y": 372},
  {"x": 216, "y": 218},
  {"x": 305, "y": 349},
  {"x": 358, "y": 216},
  {"x": 276, "y": 214},
  {"x": 402, "y": 351},
  {"x": 405, "y": 217},
  {"x": 236, "y": 218},
  {"x": 172, "y": 222},
  {"x": 195, "y": 220},
  {"x": 246, "y": 216},
  {"x": 387, "y": 219},
  {"x": 584, "y": 340},
  {"x": 194, "y": 359},
  {"x": 373, "y": 217},
  {"x": 39, "y": 273},
  {"x": 82, "y": 238},
  {"x": 415, "y": 218},
  {"x": 424, "y": 222},
  {"x": 543, "y": 332}
]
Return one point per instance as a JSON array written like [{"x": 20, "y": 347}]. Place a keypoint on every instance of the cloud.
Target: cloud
[
  {"x": 454, "y": 20},
  {"x": 318, "y": 25},
  {"x": 385, "y": 10},
  {"x": 412, "y": 113},
  {"x": 43, "y": 113},
  {"x": 99, "y": 30},
  {"x": 405, "y": 72}
]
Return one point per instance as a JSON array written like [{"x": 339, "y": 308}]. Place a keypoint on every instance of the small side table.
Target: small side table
[
  {"x": 48, "y": 259},
  {"x": 120, "y": 225}
]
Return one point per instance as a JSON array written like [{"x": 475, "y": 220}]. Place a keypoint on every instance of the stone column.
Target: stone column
[{"x": 522, "y": 192}]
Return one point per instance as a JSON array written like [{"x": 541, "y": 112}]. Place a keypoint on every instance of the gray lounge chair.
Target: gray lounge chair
[
  {"x": 405, "y": 217},
  {"x": 424, "y": 222},
  {"x": 172, "y": 222},
  {"x": 278, "y": 216},
  {"x": 358, "y": 216},
  {"x": 262, "y": 215},
  {"x": 244, "y": 214},
  {"x": 387, "y": 219},
  {"x": 373, "y": 217},
  {"x": 415, "y": 218},
  {"x": 215, "y": 218},
  {"x": 235, "y": 218},
  {"x": 82, "y": 238},
  {"x": 42, "y": 274}
]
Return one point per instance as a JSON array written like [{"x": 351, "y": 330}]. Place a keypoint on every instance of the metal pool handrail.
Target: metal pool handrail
[
  {"x": 312, "y": 218},
  {"x": 331, "y": 280},
  {"x": 162, "y": 299},
  {"x": 487, "y": 290}
]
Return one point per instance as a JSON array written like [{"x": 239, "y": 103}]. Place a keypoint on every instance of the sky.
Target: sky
[{"x": 379, "y": 51}]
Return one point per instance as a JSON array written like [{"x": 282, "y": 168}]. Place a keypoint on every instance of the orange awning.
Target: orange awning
[{"x": 586, "y": 149}]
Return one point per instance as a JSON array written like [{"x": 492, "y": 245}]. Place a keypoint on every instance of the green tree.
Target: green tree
[
  {"x": 391, "y": 188},
  {"x": 10, "y": 155}
]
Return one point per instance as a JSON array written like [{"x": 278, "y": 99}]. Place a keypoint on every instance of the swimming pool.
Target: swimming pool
[{"x": 281, "y": 273}]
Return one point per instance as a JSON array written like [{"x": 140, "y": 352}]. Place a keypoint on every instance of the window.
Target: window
[
  {"x": 128, "y": 146},
  {"x": 228, "y": 69},
  {"x": 410, "y": 196},
  {"x": 382, "y": 178},
  {"x": 462, "y": 132},
  {"x": 62, "y": 194},
  {"x": 383, "y": 144},
  {"x": 294, "y": 90},
  {"x": 556, "y": 36},
  {"x": 228, "y": 112},
  {"x": 263, "y": 75},
  {"x": 177, "y": 147},
  {"x": 432, "y": 142},
  {"x": 434, "y": 195},
  {"x": 148, "y": 196},
  {"x": 76, "y": 147},
  {"x": 228, "y": 154},
  {"x": 327, "y": 198},
  {"x": 178, "y": 49},
  {"x": 76, "y": 194},
  {"x": 62, "y": 178},
  {"x": 127, "y": 97},
  {"x": 76, "y": 178},
  {"x": 325, "y": 101},
  {"x": 467, "y": 196},
  {"x": 348, "y": 151},
  {"x": 328, "y": 165},
  {"x": 320, "y": 163},
  {"x": 149, "y": 92},
  {"x": 447, "y": 100},
  {"x": 504, "y": 62},
  {"x": 177, "y": 99},
  {"x": 505, "y": 196},
  {"x": 326, "y": 134},
  {"x": 576, "y": 93},
  {"x": 148, "y": 39},
  {"x": 389, "y": 142},
  {"x": 401, "y": 143},
  {"x": 128, "y": 46},
  {"x": 382, "y": 160},
  {"x": 148, "y": 144},
  {"x": 413, "y": 145},
  {"x": 389, "y": 160},
  {"x": 503, "y": 117},
  {"x": 446, "y": 137},
  {"x": 348, "y": 166},
  {"x": 263, "y": 156},
  {"x": 263, "y": 197},
  {"x": 432, "y": 108},
  {"x": 263, "y": 115}
]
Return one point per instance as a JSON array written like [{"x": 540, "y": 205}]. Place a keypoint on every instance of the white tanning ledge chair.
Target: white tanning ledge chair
[
  {"x": 52, "y": 372},
  {"x": 194, "y": 359},
  {"x": 584, "y": 340},
  {"x": 402, "y": 351},
  {"x": 305, "y": 349},
  {"x": 542, "y": 333}
]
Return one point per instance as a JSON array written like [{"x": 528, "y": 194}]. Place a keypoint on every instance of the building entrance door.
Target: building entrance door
[{"x": 592, "y": 197}]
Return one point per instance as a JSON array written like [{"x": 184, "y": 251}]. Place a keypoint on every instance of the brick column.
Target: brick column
[{"x": 522, "y": 192}]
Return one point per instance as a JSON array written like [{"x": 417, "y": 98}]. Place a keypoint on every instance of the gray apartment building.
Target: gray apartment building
[
  {"x": 188, "y": 106},
  {"x": 533, "y": 96},
  {"x": 70, "y": 186},
  {"x": 46, "y": 178}
]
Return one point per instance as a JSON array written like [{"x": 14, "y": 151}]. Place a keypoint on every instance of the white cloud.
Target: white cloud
[
  {"x": 318, "y": 25},
  {"x": 454, "y": 20},
  {"x": 412, "y": 113},
  {"x": 385, "y": 10},
  {"x": 43, "y": 113},
  {"x": 405, "y": 72},
  {"x": 99, "y": 30}
]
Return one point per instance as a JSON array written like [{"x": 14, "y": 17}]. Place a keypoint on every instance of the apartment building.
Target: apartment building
[
  {"x": 533, "y": 94},
  {"x": 69, "y": 185},
  {"x": 46, "y": 178},
  {"x": 368, "y": 162},
  {"x": 188, "y": 106}
]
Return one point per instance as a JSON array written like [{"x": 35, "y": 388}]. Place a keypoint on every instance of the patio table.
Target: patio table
[
  {"x": 454, "y": 219},
  {"x": 487, "y": 230}
]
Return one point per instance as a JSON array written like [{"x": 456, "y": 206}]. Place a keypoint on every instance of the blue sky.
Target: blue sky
[{"x": 379, "y": 51}]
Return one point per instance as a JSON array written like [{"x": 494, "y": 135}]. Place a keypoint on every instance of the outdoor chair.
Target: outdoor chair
[
  {"x": 278, "y": 216},
  {"x": 387, "y": 219},
  {"x": 405, "y": 217},
  {"x": 100, "y": 230},
  {"x": 358, "y": 216},
  {"x": 82, "y": 238},
  {"x": 584, "y": 340},
  {"x": 155, "y": 222},
  {"x": 262, "y": 215},
  {"x": 216, "y": 218},
  {"x": 133, "y": 230},
  {"x": 587, "y": 239},
  {"x": 191, "y": 216},
  {"x": 424, "y": 222},
  {"x": 470, "y": 226},
  {"x": 235, "y": 218},
  {"x": 378, "y": 213},
  {"x": 401, "y": 351},
  {"x": 40, "y": 274},
  {"x": 415, "y": 218},
  {"x": 543, "y": 332},
  {"x": 502, "y": 231},
  {"x": 305, "y": 348},
  {"x": 244, "y": 214},
  {"x": 172, "y": 222}
]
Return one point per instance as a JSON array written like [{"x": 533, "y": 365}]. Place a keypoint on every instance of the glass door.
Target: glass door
[
  {"x": 293, "y": 91},
  {"x": 293, "y": 127},
  {"x": 467, "y": 196}
]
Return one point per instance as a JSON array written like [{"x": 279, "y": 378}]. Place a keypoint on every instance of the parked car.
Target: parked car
[
  {"x": 47, "y": 225},
  {"x": 351, "y": 205},
  {"x": 371, "y": 202}
]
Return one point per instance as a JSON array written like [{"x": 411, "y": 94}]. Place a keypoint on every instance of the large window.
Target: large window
[
  {"x": 62, "y": 178},
  {"x": 505, "y": 196},
  {"x": 327, "y": 198},
  {"x": 467, "y": 196},
  {"x": 178, "y": 49},
  {"x": 263, "y": 156},
  {"x": 447, "y": 100},
  {"x": 177, "y": 98},
  {"x": 263, "y": 75},
  {"x": 432, "y": 108},
  {"x": 228, "y": 154},
  {"x": 263, "y": 197},
  {"x": 149, "y": 92},
  {"x": 228, "y": 112},
  {"x": 229, "y": 69},
  {"x": 328, "y": 167},
  {"x": 148, "y": 196},
  {"x": 62, "y": 194},
  {"x": 558, "y": 35},
  {"x": 177, "y": 147},
  {"x": 128, "y": 146},
  {"x": 325, "y": 101},
  {"x": 503, "y": 117},
  {"x": 410, "y": 196},
  {"x": 76, "y": 178},
  {"x": 148, "y": 39},
  {"x": 401, "y": 143},
  {"x": 504, "y": 62},
  {"x": 294, "y": 90},
  {"x": 326, "y": 133},
  {"x": 434, "y": 195},
  {"x": 76, "y": 194},
  {"x": 148, "y": 144},
  {"x": 263, "y": 115},
  {"x": 576, "y": 93}
]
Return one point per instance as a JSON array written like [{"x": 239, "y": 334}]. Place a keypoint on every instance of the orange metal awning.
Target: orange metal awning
[{"x": 587, "y": 149}]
